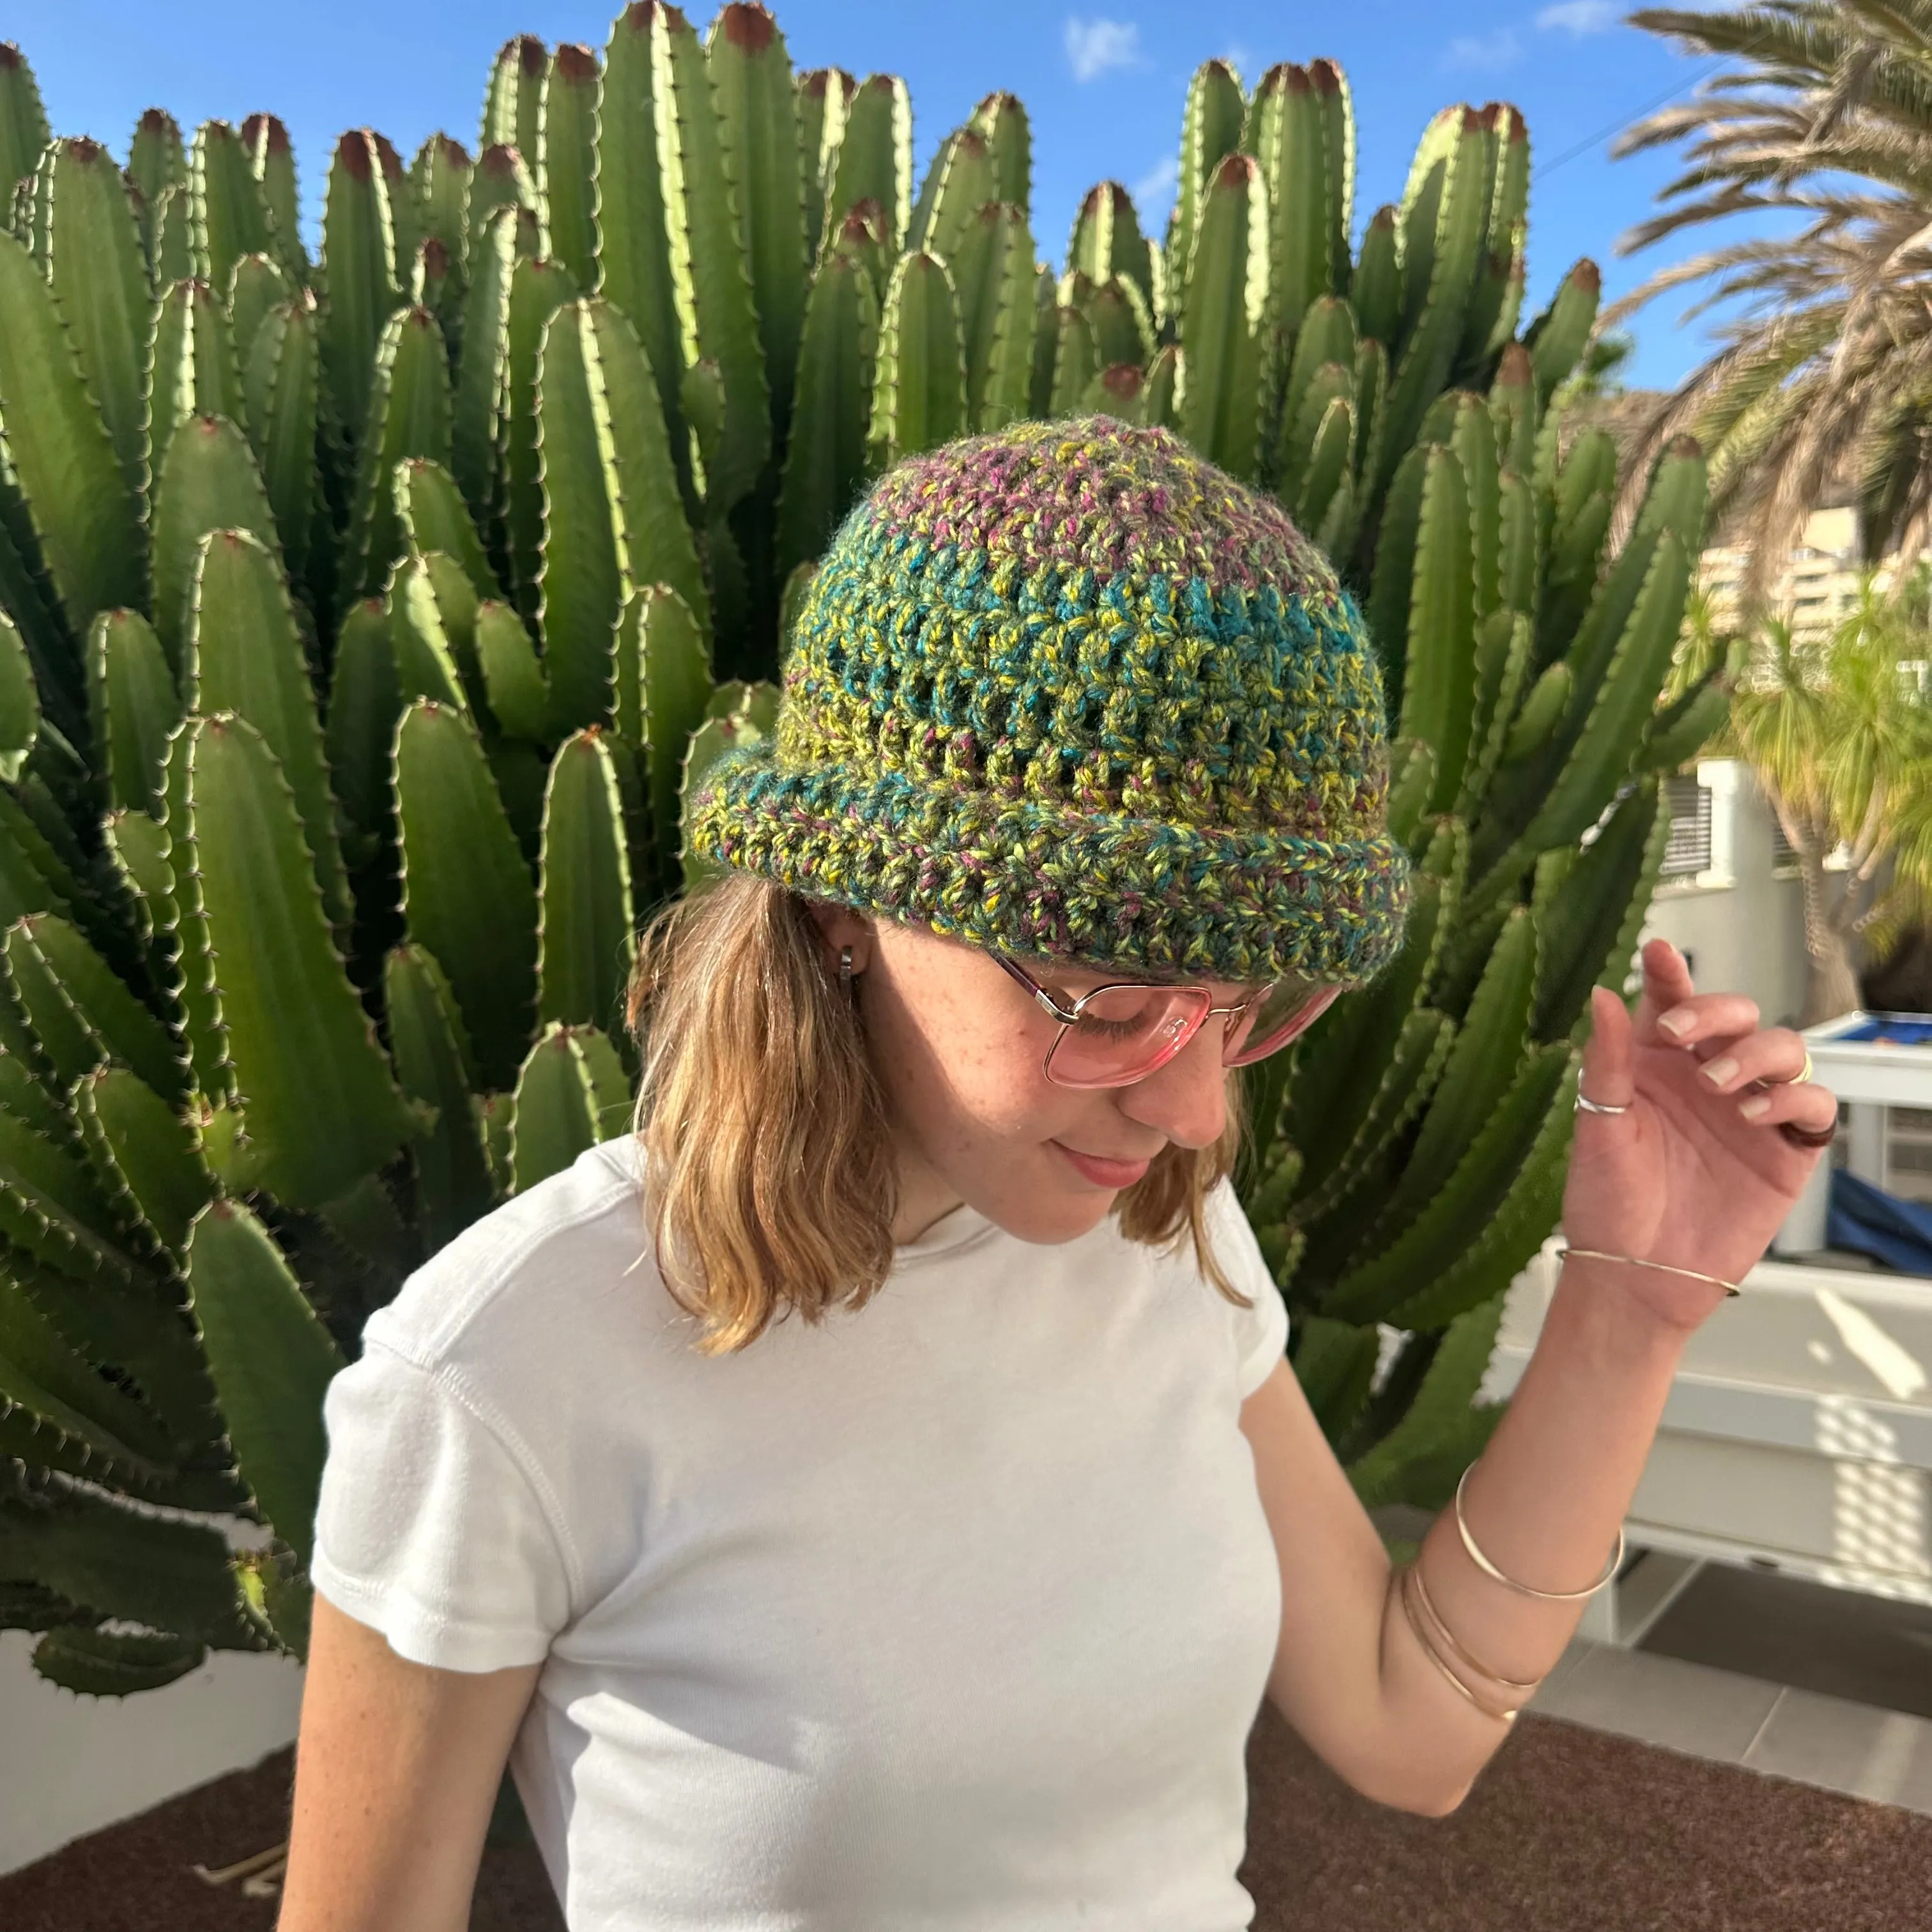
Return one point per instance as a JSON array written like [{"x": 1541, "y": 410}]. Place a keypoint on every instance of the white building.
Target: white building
[
  {"x": 1818, "y": 583},
  {"x": 1729, "y": 898}
]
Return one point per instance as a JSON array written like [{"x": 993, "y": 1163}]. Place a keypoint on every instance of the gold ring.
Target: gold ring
[{"x": 1807, "y": 1074}]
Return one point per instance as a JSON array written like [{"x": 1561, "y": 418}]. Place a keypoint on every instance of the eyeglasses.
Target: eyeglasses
[{"x": 1127, "y": 1029}]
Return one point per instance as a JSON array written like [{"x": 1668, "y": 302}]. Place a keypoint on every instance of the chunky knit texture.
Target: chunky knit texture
[{"x": 1070, "y": 690}]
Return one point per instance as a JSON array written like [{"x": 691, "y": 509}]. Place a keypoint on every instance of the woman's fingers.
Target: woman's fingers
[
  {"x": 1803, "y": 1102},
  {"x": 1666, "y": 985},
  {"x": 1609, "y": 1074},
  {"x": 1776, "y": 1054},
  {"x": 1707, "y": 1023}
]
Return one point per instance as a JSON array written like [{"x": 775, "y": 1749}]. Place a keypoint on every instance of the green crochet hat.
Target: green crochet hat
[{"x": 1069, "y": 689}]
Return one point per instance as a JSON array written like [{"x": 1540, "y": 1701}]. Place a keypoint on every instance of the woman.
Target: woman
[{"x": 950, "y": 1603}]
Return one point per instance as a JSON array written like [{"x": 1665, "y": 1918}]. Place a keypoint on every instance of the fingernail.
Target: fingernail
[
  {"x": 1757, "y": 1104},
  {"x": 1679, "y": 1020},
  {"x": 1719, "y": 1072}
]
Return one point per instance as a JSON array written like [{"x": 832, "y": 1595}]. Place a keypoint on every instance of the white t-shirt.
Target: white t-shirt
[{"x": 953, "y": 1611}]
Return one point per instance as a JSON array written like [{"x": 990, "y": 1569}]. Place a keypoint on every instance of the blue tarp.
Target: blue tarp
[
  {"x": 1871, "y": 1222},
  {"x": 1894, "y": 1028}
]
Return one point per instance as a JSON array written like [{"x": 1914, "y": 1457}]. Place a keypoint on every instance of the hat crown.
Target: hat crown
[{"x": 1087, "y": 611}]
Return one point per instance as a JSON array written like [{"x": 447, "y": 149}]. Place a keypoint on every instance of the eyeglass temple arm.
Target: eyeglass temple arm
[{"x": 1039, "y": 993}]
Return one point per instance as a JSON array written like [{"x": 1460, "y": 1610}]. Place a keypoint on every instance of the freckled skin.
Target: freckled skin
[{"x": 958, "y": 1045}]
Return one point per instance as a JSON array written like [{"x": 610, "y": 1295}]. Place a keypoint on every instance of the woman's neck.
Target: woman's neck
[{"x": 925, "y": 1197}]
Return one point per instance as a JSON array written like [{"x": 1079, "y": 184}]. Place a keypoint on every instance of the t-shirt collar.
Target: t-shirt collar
[{"x": 959, "y": 1229}]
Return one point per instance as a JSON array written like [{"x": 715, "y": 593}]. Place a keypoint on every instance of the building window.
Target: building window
[
  {"x": 1689, "y": 851},
  {"x": 1783, "y": 853}
]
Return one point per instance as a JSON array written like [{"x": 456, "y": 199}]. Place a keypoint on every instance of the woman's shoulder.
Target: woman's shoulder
[{"x": 546, "y": 1270}]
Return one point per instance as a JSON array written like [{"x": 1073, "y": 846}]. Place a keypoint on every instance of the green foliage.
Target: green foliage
[{"x": 364, "y": 626}]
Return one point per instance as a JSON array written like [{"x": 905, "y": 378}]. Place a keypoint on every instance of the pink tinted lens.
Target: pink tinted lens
[
  {"x": 1286, "y": 1013},
  {"x": 1123, "y": 1032}
]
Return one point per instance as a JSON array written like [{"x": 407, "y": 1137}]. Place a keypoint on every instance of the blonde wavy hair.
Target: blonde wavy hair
[{"x": 771, "y": 1184}]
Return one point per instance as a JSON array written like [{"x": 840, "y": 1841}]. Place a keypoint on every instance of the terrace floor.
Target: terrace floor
[{"x": 1828, "y": 1687}]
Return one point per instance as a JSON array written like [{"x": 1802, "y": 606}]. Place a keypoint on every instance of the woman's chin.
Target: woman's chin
[{"x": 1047, "y": 1220}]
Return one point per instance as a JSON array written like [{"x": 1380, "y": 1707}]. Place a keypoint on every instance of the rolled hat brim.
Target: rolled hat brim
[{"x": 1014, "y": 873}]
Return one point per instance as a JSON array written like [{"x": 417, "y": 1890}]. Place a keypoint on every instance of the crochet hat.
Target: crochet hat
[{"x": 1070, "y": 689}]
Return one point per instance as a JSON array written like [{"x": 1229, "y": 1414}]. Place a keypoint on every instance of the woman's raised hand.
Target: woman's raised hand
[{"x": 1696, "y": 1174}]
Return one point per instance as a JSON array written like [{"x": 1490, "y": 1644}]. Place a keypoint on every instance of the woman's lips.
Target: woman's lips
[{"x": 1101, "y": 1172}]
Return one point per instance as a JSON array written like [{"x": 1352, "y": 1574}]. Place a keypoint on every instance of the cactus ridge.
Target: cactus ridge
[
  {"x": 567, "y": 195},
  {"x": 271, "y": 160},
  {"x": 1414, "y": 1065},
  {"x": 466, "y": 893},
  {"x": 328, "y": 1110},
  {"x": 255, "y": 668},
  {"x": 1515, "y": 1230},
  {"x": 1442, "y": 1407},
  {"x": 569, "y": 1089},
  {"x": 181, "y": 919},
  {"x": 1384, "y": 1261},
  {"x": 72, "y": 499},
  {"x": 919, "y": 399},
  {"x": 250, "y": 1313},
  {"x": 96, "y": 270},
  {"x": 587, "y": 936},
  {"x": 49, "y": 1206},
  {"x": 142, "y": 1237},
  {"x": 130, "y": 1172}
]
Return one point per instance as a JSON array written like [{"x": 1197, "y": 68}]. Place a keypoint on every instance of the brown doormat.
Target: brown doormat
[{"x": 1567, "y": 1831}]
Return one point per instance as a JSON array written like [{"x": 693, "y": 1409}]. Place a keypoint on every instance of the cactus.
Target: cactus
[
  {"x": 270, "y": 1359},
  {"x": 920, "y": 398},
  {"x": 362, "y": 625}
]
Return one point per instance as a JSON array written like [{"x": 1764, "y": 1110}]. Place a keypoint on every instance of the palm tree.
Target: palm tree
[
  {"x": 1823, "y": 373},
  {"x": 1838, "y": 731}
]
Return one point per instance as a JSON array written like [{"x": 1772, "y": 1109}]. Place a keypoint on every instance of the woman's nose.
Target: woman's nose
[{"x": 1187, "y": 1098}]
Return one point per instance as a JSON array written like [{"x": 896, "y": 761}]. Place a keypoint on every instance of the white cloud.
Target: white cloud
[
  {"x": 1484, "y": 53},
  {"x": 1155, "y": 189},
  {"x": 1580, "y": 16},
  {"x": 1095, "y": 47}
]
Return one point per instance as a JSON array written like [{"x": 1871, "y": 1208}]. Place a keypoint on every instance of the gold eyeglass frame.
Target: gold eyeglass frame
[{"x": 1317, "y": 1004}]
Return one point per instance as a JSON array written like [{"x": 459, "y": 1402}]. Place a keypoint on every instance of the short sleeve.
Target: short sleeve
[
  {"x": 1261, "y": 1333},
  {"x": 429, "y": 1528}
]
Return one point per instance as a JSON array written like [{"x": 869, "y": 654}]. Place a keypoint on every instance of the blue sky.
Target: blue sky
[{"x": 1104, "y": 84}]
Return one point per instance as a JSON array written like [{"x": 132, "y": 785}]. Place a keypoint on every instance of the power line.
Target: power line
[
  {"x": 1603, "y": 133},
  {"x": 1636, "y": 114}
]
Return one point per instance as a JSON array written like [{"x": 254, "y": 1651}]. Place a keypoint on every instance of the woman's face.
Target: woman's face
[{"x": 959, "y": 1046}]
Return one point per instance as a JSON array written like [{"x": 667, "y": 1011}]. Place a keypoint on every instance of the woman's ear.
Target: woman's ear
[{"x": 842, "y": 927}]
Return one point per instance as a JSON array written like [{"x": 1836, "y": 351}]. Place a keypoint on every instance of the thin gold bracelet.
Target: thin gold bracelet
[
  {"x": 1663, "y": 1267},
  {"x": 1489, "y": 1569},
  {"x": 1435, "y": 1657},
  {"x": 1426, "y": 1604}
]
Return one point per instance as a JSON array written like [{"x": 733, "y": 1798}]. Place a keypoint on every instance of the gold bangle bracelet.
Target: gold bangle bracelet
[
  {"x": 1436, "y": 1657},
  {"x": 1426, "y": 1604},
  {"x": 1489, "y": 1569},
  {"x": 1662, "y": 1268}
]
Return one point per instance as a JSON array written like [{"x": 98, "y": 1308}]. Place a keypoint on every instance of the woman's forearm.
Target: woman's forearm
[{"x": 1543, "y": 1503}]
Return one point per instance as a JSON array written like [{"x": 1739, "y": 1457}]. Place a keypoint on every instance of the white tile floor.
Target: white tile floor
[
  {"x": 1847, "y": 1747},
  {"x": 1856, "y": 1748}
]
